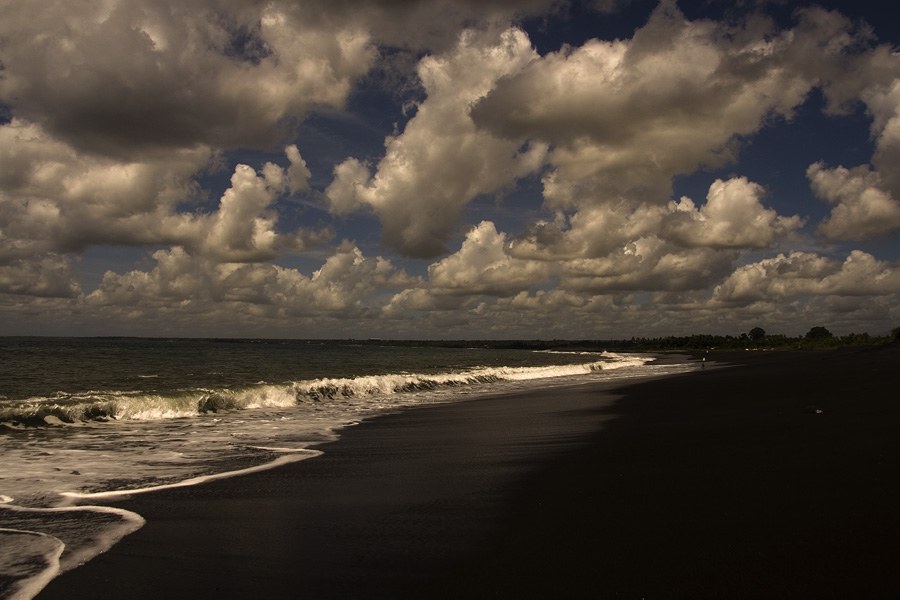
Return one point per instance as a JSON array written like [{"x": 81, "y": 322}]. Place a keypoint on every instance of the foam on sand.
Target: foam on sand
[
  {"x": 29, "y": 559},
  {"x": 294, "y": 456}
]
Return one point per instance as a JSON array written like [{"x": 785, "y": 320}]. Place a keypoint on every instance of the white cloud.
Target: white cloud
[
  {"x": 842, "y": 57},
  {"x": 862, "y": 208},
  {"x": 592, "y": 232},
  {"x": 56, "y": 199},
  {"x": 119, "y": 108},
  {"x": 733, "y": 217},
  {"x": 488, "y": 264},
  {"x": 804, "y": 273},
  {"x": 625, "y": 116},
  {"x": 441, "y": 160},
  {"x": 482, "y": 266},
  {"x": 649, "y": 264},
  {"x": 350, "y": 179},
  {"x": 341, "y": 287},
  {"x": 298, "y": 174},
  {"x": 243, "y": 229},
  {"x": 865, "y": 198}
]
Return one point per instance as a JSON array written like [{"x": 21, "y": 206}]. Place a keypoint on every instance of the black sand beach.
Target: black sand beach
[{"x": 721, "y": 483}]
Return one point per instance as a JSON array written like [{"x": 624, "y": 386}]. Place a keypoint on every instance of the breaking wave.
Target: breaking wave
[{"x": 101, "y": 406}]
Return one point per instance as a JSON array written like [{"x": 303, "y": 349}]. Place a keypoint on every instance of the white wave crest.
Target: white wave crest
[
  {"x": 330, "y": 389},
  {"x": 98, "y": 406}
]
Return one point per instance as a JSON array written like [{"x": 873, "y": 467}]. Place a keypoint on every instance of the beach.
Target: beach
[{"x": 766, "y": 474}]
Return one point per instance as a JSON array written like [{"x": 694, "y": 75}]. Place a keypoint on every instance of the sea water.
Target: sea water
[{"x": 84, "y": 420}]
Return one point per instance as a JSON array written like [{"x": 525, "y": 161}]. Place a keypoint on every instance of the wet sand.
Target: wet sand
[{"x": 721, "y": 483}]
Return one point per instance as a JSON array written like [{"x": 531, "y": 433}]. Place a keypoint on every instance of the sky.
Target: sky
[{"x": 451, "y": 169}]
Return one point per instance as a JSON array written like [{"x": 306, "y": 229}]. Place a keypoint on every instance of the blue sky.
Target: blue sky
[{"x": 454, "y": 169}]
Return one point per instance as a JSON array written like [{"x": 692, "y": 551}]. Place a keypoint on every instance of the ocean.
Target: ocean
[{"x": 84, "y": 420}]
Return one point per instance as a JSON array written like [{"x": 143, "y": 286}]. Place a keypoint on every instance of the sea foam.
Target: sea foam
[
  {"x": 102, "y": 406},
  {"x": 28, "y": 561},
  {"x": 36, "y": 544}
]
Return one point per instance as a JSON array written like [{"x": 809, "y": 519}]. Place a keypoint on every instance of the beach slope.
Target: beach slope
[{"x": 773, "y": 477}]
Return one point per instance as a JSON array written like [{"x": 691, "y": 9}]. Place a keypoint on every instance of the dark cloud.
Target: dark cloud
[{"x": 158, "y": 75}]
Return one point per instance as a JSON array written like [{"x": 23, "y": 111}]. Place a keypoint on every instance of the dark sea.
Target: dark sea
[{"x": 85, "y": 419}]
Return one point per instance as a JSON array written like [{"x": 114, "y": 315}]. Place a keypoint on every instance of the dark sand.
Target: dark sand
[{"x": 715, "y": 484}]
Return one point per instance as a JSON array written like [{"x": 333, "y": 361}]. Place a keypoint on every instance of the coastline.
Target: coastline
[
  {"x": 710, "y": 484},
  {"x": 772, "y": 479}
]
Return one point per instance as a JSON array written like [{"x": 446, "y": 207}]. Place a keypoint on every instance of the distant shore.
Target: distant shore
[
  {"x": 686, "y": 343},
  {"x": 765, "y": 475}
]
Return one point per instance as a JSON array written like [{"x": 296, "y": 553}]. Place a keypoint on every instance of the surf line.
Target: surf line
[
  {"x": 281, "y": 460},
  {"x": 24, "y": 583}
]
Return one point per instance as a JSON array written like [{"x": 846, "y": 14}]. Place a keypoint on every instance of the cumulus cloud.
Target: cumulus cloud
[
  {"x": 488, "y": 264},
  {"x": 862, "y": 208},
  {"x": 48, "y": 276},
  {"x": 482, "y": 266},
  {"x": 592, "y": 232},
  {"x": 545, "y": 301},
  {"x": 411, "y": 300},
  {"x": 648, "y": 263},
  {"x": 805, "y": 273},
  {"x": 865, "y": 198},
  {"x": 297, "y": 174},
  {"x": 243, "y": 229},
  {"x": 628, "y": 247},
  {"x": 733, "y": 217},
  {"x": 441, "y": 160},
  {"x": 339, "y": 288},
  {"x": 54, "y": 199},
  {"x": 115, "y": 114},
  {"x": 128, "y": 77},
  {"x": 122, "y": 77},
  {"x": 625, "y": 116}
]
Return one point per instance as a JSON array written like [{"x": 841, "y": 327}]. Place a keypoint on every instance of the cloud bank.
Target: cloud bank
[{"x": 517, "y": 192}]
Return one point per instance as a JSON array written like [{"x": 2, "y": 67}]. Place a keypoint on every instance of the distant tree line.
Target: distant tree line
[
  {"x": 757, "y": 338},
  {"x": 816, "y": 338}
]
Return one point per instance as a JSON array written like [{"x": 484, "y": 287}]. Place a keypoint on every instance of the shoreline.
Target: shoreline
[
  {"x": 772, "y": 479},
  {"x": 602, "y": 490}
]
